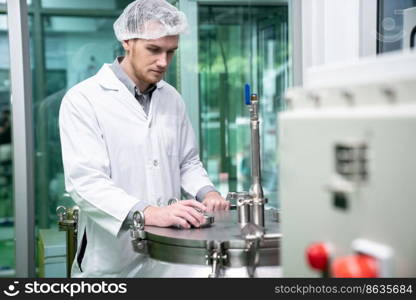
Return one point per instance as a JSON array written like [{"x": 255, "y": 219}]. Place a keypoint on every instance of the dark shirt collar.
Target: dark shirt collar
[{"x": 126, "y": 80}]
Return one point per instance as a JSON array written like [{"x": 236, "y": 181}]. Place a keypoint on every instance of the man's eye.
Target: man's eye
[{"x": 154, "y": 50}]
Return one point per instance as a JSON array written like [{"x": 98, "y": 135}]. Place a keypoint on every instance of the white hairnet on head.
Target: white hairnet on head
[{"x": 149, "y": 19}]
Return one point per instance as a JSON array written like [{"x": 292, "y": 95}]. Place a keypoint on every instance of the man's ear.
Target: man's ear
[{"x": 126, "y": 45}]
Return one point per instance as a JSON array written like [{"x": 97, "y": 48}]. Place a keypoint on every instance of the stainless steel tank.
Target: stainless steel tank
[
  {"x": 236, "y": 243},
  {"x": 220, "y": 250}
]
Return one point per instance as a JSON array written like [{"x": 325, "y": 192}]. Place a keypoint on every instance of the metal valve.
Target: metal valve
[
  {"x": 68, "y": 217},
  {"x": 68, "y": 221}
]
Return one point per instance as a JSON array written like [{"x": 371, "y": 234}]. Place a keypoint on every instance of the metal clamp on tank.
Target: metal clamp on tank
[
  {"x": 137, "y": 232},
  {"x": 68, "y": 221},
  {"x": 216, "y": 257}
]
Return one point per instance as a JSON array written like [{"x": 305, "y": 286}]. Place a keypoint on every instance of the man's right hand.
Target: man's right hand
[{"x": 182, "y": 213}]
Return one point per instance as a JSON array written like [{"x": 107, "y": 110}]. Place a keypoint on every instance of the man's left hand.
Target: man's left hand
[{"x": 215, "y": 202}]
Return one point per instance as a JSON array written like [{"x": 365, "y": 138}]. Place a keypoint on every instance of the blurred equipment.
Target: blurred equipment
[
  {"x": 52, "y": 254},
  {"x": 409, "y": 28},
  {"x": 348, "y": 170},
  {"x": 68, "y": 221},
  {"x": 242, "y": 243}
]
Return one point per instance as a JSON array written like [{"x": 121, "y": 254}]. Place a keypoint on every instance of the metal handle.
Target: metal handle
[
  {"x": 217, "y": 257},
  {"x": 137, "y": 232},
  {"x": 253, "y": 235},
  {"x": 138, "y": 220},
  {"x": 253, "y": 256},
  {"x": 61, "y": 212}
]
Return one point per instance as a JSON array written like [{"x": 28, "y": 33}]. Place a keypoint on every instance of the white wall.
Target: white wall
[{"x": 337, "y": 31}]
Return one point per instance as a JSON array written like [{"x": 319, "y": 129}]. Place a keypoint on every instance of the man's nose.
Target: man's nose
[{"x": 162, "y": 61}]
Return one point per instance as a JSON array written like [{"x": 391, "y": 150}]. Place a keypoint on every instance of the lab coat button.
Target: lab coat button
[{"x": 155, "y": 163}]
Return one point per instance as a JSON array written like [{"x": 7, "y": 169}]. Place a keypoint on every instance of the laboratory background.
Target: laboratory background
[{"x": 336, "y": 87}]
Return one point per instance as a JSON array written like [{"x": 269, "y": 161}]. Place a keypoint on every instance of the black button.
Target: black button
[{"x": 340, "y": 200}]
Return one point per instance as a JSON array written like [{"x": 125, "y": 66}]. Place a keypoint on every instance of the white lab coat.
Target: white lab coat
[{"x": 115, "y": 156}]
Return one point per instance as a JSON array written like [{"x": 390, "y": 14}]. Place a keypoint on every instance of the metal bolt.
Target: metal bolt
[
  {"x": 390, "y": 95},
  {"x": 349, "y": 97},
  {"x": 315, "y": 98}
]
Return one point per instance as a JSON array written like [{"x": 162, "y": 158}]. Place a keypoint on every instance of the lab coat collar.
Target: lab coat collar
[{"x": 108, "y": 80}]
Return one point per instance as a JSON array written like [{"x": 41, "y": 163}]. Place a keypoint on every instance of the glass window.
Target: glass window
[
  {"x": 236, "y": 44},
  {"x": 390, "y": 24},
  {"x": 93, "y": 4},
  {"x": 64, "y": 51},
  {"x": 74, "y": 49},
  {"x": 29, "y": 2},
  {"x": 7, "y": 244},
  {"x": 241, "y": 44}
]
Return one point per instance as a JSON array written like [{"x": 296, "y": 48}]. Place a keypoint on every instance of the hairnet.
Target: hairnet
[{"x": 149, "y": 19}]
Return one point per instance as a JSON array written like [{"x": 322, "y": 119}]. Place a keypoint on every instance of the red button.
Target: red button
[
  {"x": 357, "y": 266},
  {"x": 318, "y": 255}
]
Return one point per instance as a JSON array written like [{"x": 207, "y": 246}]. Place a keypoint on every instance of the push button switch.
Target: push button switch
[
  {"x": 355, "y": 266},
  {"x": 318, "y": 256}
]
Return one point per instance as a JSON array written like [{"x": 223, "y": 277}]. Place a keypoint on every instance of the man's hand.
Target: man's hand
[
  {"x": 215, "y": 202},
  {"x": 182, "y": 213}
]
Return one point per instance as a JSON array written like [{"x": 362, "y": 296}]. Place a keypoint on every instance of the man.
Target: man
[{"x": 128, "y": 145}]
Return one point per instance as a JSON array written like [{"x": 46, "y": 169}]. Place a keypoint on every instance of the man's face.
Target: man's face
[{"x": 149, "y": 59}]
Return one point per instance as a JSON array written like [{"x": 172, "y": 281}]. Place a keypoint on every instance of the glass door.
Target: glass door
[
  {"x": 70, "y": 53},
  {"x": 240, "y": 44},
  {"x": 72, "y": 46},
  {"x": 7, "y": 233}
]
